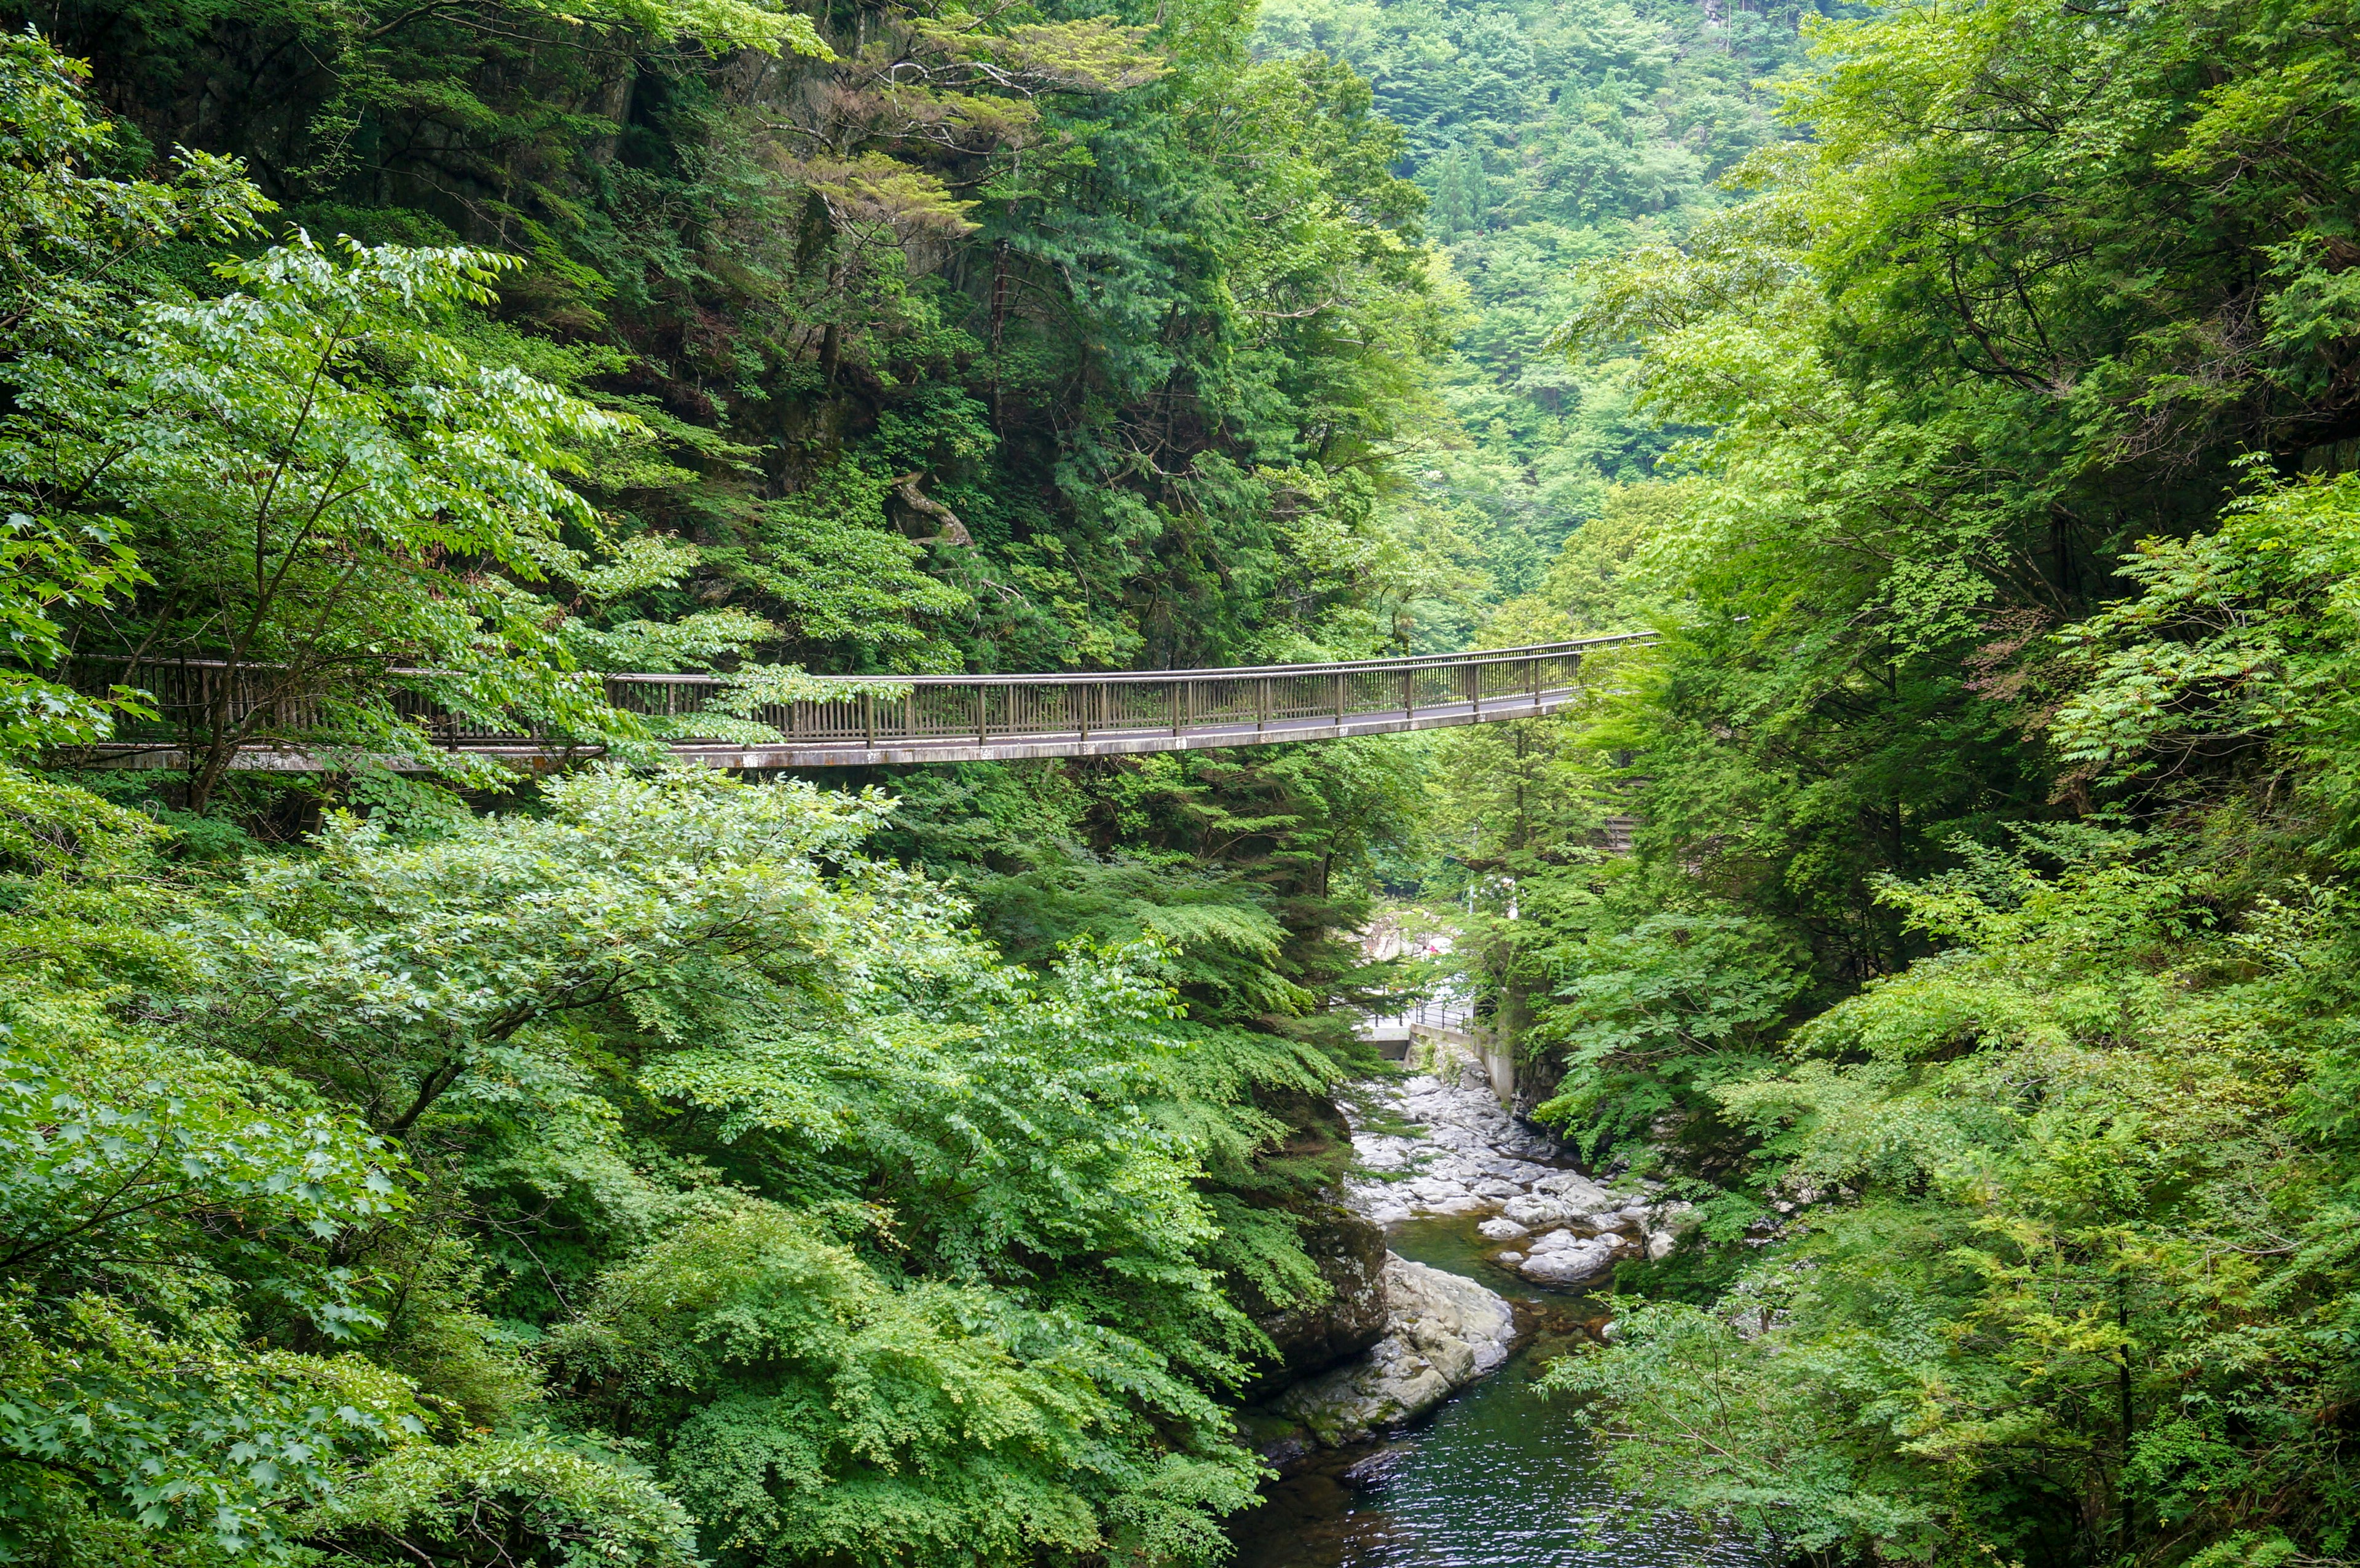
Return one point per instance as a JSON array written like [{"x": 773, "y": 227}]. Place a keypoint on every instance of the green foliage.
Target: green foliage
[
  {"x": 1121, "y": 326},
  {"x": 2054, "y": 1233},
  {"x": 2091, "y": 1254},
  {"x": 2235, "y": 654},
  {"x": 1980, "y": 966},
  {"x": 1545, "y": 137},
  {"x": 160, "y": 1202},
  {"x": 71, "y": 237},
  {"x": 832, "y": 1234},
  {"x": 387, "y": 452},
  {"x": 635, "y": 1167}
]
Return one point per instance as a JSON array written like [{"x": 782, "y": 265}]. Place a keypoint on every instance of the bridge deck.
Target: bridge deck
[{"x": 873, "y": 722}]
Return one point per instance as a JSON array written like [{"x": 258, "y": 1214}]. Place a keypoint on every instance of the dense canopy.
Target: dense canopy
[{"x": 410, "y": 1161}]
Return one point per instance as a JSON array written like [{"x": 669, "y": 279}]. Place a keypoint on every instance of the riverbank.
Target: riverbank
[
  {"x": 1496, "y": 1476},
  {"x": 1437, "y": 1156}
]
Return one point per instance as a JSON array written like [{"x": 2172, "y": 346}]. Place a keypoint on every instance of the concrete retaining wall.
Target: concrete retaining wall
[{"x": 1499, "y": 1063}]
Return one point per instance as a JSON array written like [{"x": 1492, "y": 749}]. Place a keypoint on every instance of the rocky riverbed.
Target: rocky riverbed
[{"x": 1438, "y": 1144}]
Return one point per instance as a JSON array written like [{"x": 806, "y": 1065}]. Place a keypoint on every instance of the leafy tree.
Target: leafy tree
[
  {"x": 314, "y": 574},
  {"x": 73, "y": 240}
]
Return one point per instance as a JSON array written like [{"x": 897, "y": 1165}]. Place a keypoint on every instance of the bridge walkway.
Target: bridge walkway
[{"x": 866, "y": 721}]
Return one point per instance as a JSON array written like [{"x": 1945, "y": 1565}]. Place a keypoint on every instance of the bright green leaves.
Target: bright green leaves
[
  {"x": 2044, "y": 1195},
  {"x": 817, "y": 1409},
  {"x": 390, "y": 968},
  {"x": 886, "y": 1249},
  {"x": 720, "y": 25},
  {"x": 72, "y": 236},
  {"x": 1693, "y": 1406},
  {"x": 841, "y": 583},
  {"x": 293, "y": 464},
  {"x": 2041, "y": 1201},
  {"x": 147, "y": 1193},
  {"x": 70, "y": 242},
  {"x": 101, "y": 1170},
  {"x": 579, "y": 1503},
  {"x": 186, "y": 1434},
  {"x": 862, "y": 1242},
  {"x": 2239, "y": 639},
  {"x": 1662, "y": 998}
]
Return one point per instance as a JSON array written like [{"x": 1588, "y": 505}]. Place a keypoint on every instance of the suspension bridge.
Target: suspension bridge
[{"x": 882, "y": 721}]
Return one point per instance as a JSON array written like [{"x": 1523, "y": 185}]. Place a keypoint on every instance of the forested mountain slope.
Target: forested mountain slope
[
  {"x": 1545, "y": 137},
  {"x": 412, "y": 1161},
  {"x": 1112, "y": 306}
]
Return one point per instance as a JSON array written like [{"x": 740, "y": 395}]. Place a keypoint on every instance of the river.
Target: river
[{"x": 1497, "y": 1477}]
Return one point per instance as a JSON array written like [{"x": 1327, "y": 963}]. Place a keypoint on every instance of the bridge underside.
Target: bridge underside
[{"x": 996, "y": 748}]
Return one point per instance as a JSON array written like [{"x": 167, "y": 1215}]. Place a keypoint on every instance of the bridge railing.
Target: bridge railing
[
  {"x": 1447, "y": 1014},
  {"x": 921, "y": 710}
]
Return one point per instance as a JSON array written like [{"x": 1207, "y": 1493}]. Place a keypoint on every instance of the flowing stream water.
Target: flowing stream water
[{"x": 1497, "y": 1477}]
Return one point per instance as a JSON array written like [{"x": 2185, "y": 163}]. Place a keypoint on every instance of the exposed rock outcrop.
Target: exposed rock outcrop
[
  {"x": 1441, "y": 1332},
  {"x": 1313, "y": 1337},
  {"x": 1563, "y": 1258},
  {"x": 1398, "y": 1337}
]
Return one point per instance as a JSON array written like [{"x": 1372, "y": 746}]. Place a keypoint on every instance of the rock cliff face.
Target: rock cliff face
[
  {"x": 1351, "y": 1252},
  {"x": 1441, "y": 1332}
]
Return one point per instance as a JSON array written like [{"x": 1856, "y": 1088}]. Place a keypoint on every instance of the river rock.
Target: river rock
[
  {"x": 1536, "y": 1209},
  {"x": 1441, "y": 1332},
  {"x": 1578, "y": 1192},
  {"x": 1500, "y": 1229},
  {"x": 1665, "y": 1225},
  {"x": 1562, "y": 1258}
]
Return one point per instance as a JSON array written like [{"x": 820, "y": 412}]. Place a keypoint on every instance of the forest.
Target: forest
[{"x": 410, "y": 1161}]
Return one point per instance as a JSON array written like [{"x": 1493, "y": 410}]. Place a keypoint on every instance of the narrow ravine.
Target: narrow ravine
[{"x": 1497, "y": 1475}]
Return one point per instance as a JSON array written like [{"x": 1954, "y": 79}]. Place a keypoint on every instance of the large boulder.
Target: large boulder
[
  {"x": 1576, "y": 1191},
  {"x": 1441, "y": 1332},
  {"x": 1665, "y": 1225},
  {"x": 1582, "y": 1204},
  {"x": 1562, "y": 1258}
]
